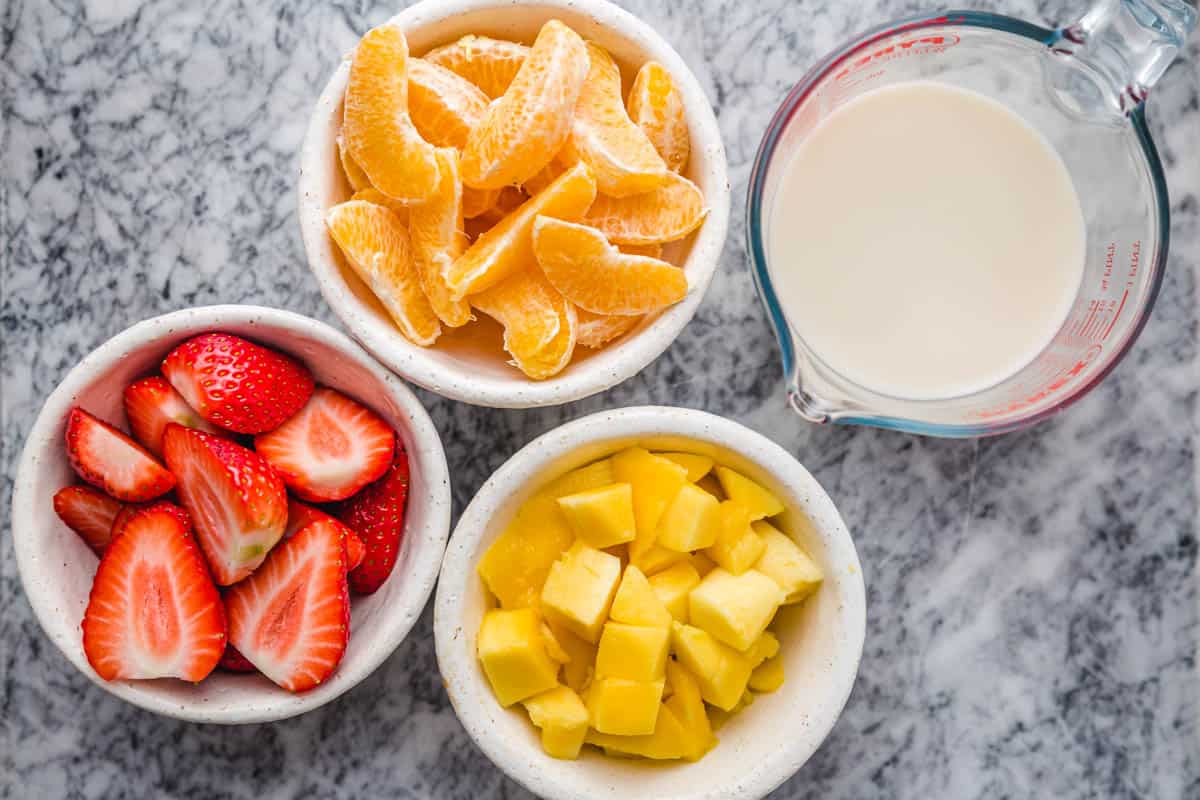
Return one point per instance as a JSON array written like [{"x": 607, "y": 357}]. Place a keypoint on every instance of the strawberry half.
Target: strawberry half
[
  {"x": 151, "y": 404},
  {"x": 330, "y": 449},
  {"x": 376, "y": 514},
  {"x": 234, "y": 661},
  {"x": 237, "y": 384},
  {"x": 300, "y": 516},
  {"x": 88, "y": 512},
  {"x": 236, "y": 500},
  {"x": 291, "y": 618},
  {"x": 110, "y": 460},
  {"x": 153, "y": 611}
]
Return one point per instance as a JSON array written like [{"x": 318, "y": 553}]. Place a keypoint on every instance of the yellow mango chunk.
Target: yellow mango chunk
[
  {"x": 687, "y": 705},
  {"x": 579, "y": 590},
  {"x": 757, "y": 500},
  {"x": 658, "y": 558},
  {"x": 601, "y": 517},
  {"x": 764, "y": 647},
  {"x": 563, "y": 718},
  {"x": 581, "y": 657},
  {"x": 767, "y": 676},
  {"x": 720, "y": 671},
  {"x": 593, "y": 476},
  {"x": 736, "y": 609},
  {"x": 513, "y": 654},
  {"x": 737, "y": 546},
  {"x": 517, "y": 563},
  {"x": 697, "y": 466},
  {"x": 553, "y": 648},
  {"x": 672, "y": 587},
  {"x": 623, "y": 707},
  {"x": 636, "y": 603},
  {"x": 670, "y": 739},
  {"x": 691, "y": 522},
  {"x": 655, "y": 482},
  {"x": 785, "y": 563},
  {"x": 633, "y": 652},
  {"x": 702, "y": 563}
]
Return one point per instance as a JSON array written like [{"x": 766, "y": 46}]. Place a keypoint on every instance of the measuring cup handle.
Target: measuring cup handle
[{"x": 1124, "y": 47}]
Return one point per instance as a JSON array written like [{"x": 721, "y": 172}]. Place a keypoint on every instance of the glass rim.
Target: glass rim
[{"x": 765, "y": 155}]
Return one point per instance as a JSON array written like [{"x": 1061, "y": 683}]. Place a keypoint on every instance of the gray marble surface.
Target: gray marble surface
[{"x": 1033, "y": 605}]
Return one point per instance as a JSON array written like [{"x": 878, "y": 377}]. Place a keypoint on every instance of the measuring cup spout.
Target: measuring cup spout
[{"x": 1118, "y": 51}]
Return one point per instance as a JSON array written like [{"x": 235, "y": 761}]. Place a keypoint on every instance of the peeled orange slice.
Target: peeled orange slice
[
  {"x": 670, "y": 212},
  {"x": 373, "y": 195},
  {"x": 524, "y": 129},
  {"x": 355, "y": 176},
  {"x": 490, "y": 64},
  {"x": 435, "y": 228},
  {"x": 620, "y": 154},
  {"x": 507, "y": 248},
  {"x": 377, "y": 128},
  {"x": 597, "y": 277},
  {"x": 540, "y": 326},
  {"x": 657, "y": 108},
  {"x": 597, "y": 330},
  {"x": 377, "y": 247}
]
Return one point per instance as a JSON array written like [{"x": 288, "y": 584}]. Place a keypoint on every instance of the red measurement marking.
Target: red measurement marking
[{"x": 1116, "y": 316}]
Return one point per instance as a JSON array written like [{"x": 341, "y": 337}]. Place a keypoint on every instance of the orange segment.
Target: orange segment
[
  {"x": 436, "y": 230},
  {"x": 355, "y": 176},
  {"x": 523, "y": 130},
  {"x": 444, "y": 107},
  {"x": 540, "y": 327},
  {"x": 506, "y": 248},
  {"x": 670, "y": 212},
  {"x": 618, "y": 151},
  {"x": 657, "y": 108},
  {"x": 479, "y": 201},
  {"x": 373, "y": 195},
  {"x": 594, "y": 275},
  {"x": 490, "y": 64},
  {"x": 378, "y": 131},
  {"x": 597, "y": 330},
  {"x": 377, "y": 247},
  {"x": 544, "y": 177}
]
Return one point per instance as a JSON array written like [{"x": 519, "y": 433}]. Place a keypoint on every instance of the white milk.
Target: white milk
[{"x": 925, "y": 241}]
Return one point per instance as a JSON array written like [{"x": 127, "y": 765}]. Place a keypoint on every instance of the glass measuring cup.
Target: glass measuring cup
[{"x": 1083, "y": 87}]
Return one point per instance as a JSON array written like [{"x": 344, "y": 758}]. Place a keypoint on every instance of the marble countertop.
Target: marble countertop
[{"x": 1033, "y": 604}]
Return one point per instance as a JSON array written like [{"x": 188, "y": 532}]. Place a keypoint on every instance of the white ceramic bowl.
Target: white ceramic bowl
[
  {"x": 821, "y": 639},
  {"x": 56, "y": 567},
  {"x": 458, "y": 366}
]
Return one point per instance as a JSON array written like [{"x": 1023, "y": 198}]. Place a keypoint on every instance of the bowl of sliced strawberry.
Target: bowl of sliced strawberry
[{"x": 230, "y": 514}]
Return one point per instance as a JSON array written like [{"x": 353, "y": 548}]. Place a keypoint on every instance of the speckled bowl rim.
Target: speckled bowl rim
[
  {"x": 428, "y": 542},
  {"x": 800, "y": 491},
  {"x": 603, "y": 369}
]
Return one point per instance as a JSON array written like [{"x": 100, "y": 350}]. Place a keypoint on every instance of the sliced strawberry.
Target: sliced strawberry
[
  {"x": 291, "y": 618},
  {"x": 88, "y": 512},
  {"x": 301, "y": 516},
  {"x": 332, "y": 448},
  {"x": 150, "y": 404},
  {"x": 237, "y": 384},
  {"x": 238, "y": 503},
  {"x": 110, "y": 460},
  {"x": 153, "y": 611},
  {"x": 124, "y": 515},
  {"x": 376, "y": 514},
  {"x": 234, "y": 661}
]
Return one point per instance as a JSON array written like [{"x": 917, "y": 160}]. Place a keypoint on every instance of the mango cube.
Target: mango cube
[
  {"x": 655, "y": 482},
  {"x": 672, "y": 587},
  {"x": 513, "y": 654},
  {"x": 691, "y": 521},
  {"x": 757, "y": 500},
  {"x": 563, "y": 718},
  {"x": 670, "y": 739},
  {"x": 764, "y": 647},
  {"x": 580, "y": 588},
  {"x": 697, "y": 466},
  {"x": 623, "y": 707},
  {"x": 785, "y": 563},
  {"x": 553, "y": 648},
  {"x": 720, "y": 671},
  {"x": 687, "y": 705},
  {"x": 636, "y": 603},
  {"x": 581, "y": 657},
  {"x": 657, "y": 558},
  {"x": 593, "y": 476},
  {"x": 601, "y": 517},
  {"x": 633, "y": 652},
  {"x": 767, "y": 676},
  {"x": 515, "y": 566},
  {"x": 736, "y": 609},
  {"x": 737, "y": 547}
]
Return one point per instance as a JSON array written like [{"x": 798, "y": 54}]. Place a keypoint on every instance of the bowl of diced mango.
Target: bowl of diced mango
[{"x": 650, "y": 602}]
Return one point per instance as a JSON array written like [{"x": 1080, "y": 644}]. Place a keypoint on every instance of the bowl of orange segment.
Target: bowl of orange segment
[{"x": 514, "y": 204}]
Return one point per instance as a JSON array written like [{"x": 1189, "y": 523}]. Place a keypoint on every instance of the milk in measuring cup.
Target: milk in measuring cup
[{"x": 925, "y": 241}]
